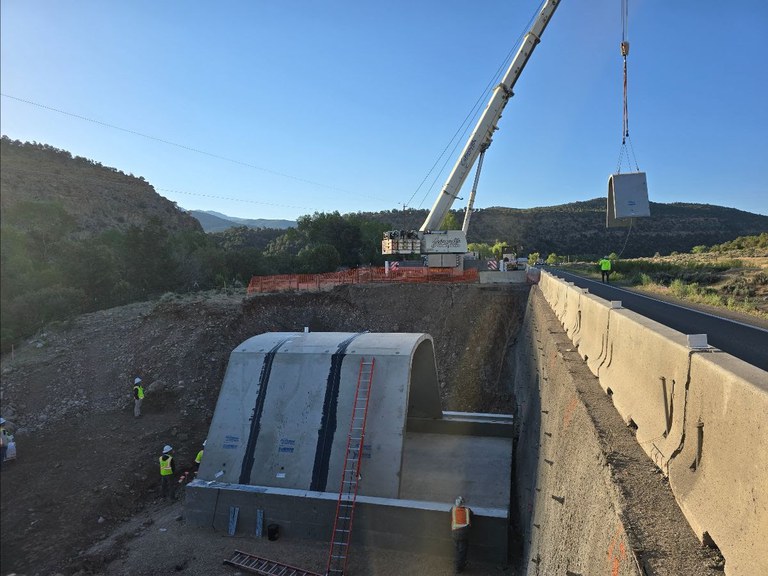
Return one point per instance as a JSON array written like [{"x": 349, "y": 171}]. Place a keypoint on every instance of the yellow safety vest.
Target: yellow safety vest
[
  {"x": 140, "y": 391},
  {"x": 459, "y": 517},
  {"x": 605, "y": 264},
  {"x": 199, "y": 457},
  {"x": 165, "y": 466}
]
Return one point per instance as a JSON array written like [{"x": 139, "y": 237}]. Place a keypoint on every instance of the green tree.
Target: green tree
[
  {"x": 533, "y": 257},
  {"x": 552, "y": 259},
  {"x": 149, "y": 266},
  {"x": 93, "y": 268},
  {"x": 318, "y": 259},
  {"x": 483, "y": 250},
  {"x": 499, "y": 249},
  {"x": 450, "y": 222},
  {"x": 333, "y": 229}
]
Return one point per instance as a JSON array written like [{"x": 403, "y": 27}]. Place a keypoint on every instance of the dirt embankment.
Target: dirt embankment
[{"x": 87, "y": 468}]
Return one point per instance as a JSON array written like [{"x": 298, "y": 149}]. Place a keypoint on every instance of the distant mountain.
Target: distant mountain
[{"x": 217, "y": 222}]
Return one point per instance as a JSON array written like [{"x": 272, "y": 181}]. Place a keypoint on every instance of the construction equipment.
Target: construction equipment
[
  {"x": 259, "y": 565},
  {"x": 350, "y": 478},
  {"x": 446, "y": 248}
]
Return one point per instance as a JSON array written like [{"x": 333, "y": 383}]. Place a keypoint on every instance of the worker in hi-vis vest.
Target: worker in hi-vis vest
[
  {"x": 461, "y": 519},
  {"x": 138, "y": 396},
  {"x": 167, "y": 470},
  {"x": 605, "y": 270},
  {"x": 199, "y": 457}
]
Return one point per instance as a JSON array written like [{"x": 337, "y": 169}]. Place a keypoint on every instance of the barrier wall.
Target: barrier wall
[
  {"x": 700, "y": 415},
  {"x": 720, "y": 476}
]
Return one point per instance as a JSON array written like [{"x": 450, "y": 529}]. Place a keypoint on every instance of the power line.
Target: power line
[
  {"x": 184, "y": 147},
  {"x": 107, "y": 180}
]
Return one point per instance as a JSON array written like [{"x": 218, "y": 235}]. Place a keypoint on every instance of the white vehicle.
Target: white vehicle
[{"x": 446, "y": 248}]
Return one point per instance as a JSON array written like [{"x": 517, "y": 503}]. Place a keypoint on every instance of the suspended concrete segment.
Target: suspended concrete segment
[{"x": 278, "y": 438}]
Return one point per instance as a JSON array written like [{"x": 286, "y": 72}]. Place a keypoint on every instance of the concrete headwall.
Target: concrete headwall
[
  {"x": 700, "y": 415},
  {"x": 405, "y": 525}
]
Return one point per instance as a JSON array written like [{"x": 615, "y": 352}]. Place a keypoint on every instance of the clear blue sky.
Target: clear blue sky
[{"x": 278, "y": 109}]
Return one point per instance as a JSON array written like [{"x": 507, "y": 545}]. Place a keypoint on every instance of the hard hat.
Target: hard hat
[
  {"x": 459, "y": 501},
  {"x": 137, "y": 380},
  {"x": 167, "y": 449},
  {"x": 204, "y": 441}
]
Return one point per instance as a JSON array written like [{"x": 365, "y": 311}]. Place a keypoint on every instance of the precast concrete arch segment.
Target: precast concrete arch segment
[{"x": 286, "y": 403}]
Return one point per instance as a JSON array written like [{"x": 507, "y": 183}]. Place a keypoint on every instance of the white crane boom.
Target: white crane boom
[
  {"x": 444, "y": 247},
  {"x": 481, "y": 136}
]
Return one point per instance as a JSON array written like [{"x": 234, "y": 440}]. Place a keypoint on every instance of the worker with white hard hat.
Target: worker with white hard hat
[
  {"x": 138, "y": 396},
  {"x": 461, "y": 519},
  {"x": 167, "y": 471}
]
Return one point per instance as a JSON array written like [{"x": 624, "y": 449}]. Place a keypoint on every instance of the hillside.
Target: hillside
[
  {"x": 579, "y": 228},
  {"x": 39, "y": 182}
]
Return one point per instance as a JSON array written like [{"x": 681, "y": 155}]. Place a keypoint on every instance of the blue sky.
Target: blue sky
[{"x": 278, "y": 109}]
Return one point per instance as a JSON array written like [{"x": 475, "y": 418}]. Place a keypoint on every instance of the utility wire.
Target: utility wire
[
  {"x": 183, "y": 147},
  {"x": 122, "y": 183}
]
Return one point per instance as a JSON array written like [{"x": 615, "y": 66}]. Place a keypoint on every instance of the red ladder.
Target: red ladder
[{"x": 345, "y": 508}]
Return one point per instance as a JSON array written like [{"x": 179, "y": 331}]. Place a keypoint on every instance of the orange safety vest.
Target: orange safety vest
[
  {"x": 459, "y": 517},
  {"x": 165, "y": 466}
]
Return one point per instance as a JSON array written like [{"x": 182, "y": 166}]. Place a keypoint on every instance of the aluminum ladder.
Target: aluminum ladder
[
  {"x": 259, "y": 565},
  {"x": 350, "y": 478}
]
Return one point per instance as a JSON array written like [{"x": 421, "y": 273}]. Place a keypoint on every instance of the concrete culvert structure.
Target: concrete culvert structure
[{"x": 278, "y": 438}]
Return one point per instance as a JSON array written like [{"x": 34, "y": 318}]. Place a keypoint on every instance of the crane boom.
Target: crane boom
[
  {"x": 446, "y": 248},
  {"x": 481, "y": 136}
]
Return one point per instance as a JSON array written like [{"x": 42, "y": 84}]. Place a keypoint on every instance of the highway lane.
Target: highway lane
[{"x": 750, "y": 343}]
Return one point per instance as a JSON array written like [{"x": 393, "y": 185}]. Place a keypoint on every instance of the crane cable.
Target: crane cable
[{"x": 625, "y": 139}]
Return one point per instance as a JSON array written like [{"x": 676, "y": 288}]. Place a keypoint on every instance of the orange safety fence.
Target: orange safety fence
[{"x": 318, "y": 282}]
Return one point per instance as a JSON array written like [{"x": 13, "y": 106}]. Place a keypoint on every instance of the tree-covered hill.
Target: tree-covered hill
[
  {"x": 579, "y": 227},
  {"x": 42, "y": 185}
]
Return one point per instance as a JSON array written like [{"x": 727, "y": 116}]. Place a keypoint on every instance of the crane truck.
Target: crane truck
[{"x": 446, "y": 248}]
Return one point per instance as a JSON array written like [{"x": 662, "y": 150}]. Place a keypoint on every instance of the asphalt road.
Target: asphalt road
[{"x": 749, "y": 343}]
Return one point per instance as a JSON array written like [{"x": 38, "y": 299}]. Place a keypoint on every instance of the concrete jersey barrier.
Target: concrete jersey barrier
[
  {"x": 720, "y": 475},
  {"x": 701, "y": 416}
]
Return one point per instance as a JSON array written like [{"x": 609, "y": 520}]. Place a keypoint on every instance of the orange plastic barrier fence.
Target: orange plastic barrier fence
[{"x": 318, "y": 282}]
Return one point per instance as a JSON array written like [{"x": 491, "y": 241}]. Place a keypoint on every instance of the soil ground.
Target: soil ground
[{"x": 82, "y": 496}]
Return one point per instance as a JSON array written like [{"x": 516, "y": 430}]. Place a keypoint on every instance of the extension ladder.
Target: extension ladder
[
  {"x": 259, "y": 565},
  {"x": 342, "y": 524}
]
